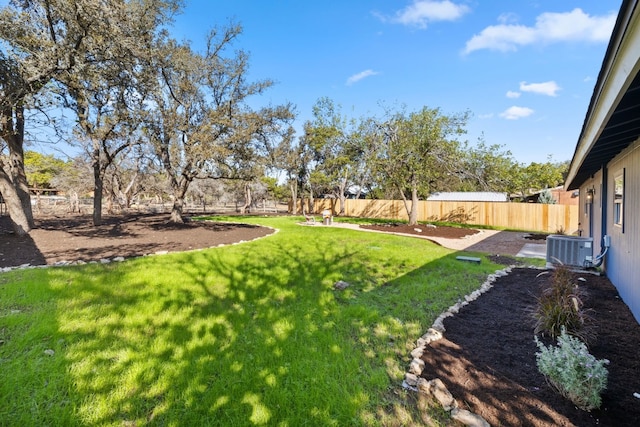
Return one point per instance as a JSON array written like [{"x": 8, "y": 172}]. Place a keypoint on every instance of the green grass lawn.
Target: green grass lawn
[{"x": 248, "y": 334}]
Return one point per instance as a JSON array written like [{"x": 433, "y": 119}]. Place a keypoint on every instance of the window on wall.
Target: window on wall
[{"x": 618, "y": 200}]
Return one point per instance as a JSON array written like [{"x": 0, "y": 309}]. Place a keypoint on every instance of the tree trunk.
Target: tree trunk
[
  {"x": 247, "y": 199},
  {"x": 413, "y": 215},
  {"x": 312, "y": 202},
  {"x": 176, "y": 210},
  {"x": 293, "y": 187},
  {"x": 19, "y": 220},
  {"x": 97, "y": 187},
  {"x": 340, "y": 194},
  {"x": 179, "y": 191},
  {"x": 12, "y": 127}
]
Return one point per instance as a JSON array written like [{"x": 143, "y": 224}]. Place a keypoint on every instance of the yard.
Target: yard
[{"x": 248, "y": 334}]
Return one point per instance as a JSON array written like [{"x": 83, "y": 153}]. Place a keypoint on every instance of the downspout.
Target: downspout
[
  {"x": 605, "y": 240},
  {"x": 603, "y": 202}
]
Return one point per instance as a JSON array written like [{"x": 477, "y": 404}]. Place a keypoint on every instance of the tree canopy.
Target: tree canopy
[{"x": 144, "y": 103}]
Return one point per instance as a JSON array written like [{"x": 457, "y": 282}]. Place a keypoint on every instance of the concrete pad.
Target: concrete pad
[{"x": 533, "y": 250}]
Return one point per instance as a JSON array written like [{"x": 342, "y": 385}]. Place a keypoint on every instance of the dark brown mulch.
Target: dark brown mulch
[
  {"x": 423, "y": 230},
  {"x": 536, "y": 236},
  {"x": 487, "y": 358},
  {"x": 71, "y": 238}
]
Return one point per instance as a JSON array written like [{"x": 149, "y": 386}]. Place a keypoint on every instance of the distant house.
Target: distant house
[
  {"x": 470, "y": 196},
  {"x": 606, "y": 163},
  {"x": 559, "y": 194}
]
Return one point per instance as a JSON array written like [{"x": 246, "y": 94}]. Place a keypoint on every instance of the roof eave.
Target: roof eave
[{"x": 619, "y": 67}]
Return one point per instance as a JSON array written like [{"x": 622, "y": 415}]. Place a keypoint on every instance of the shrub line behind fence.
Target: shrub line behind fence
[{"x": 515, "y": 216}]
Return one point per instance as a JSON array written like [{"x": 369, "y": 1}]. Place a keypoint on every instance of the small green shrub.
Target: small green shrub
[
  {"x": 561, "y": 305},
  {"x": 573, "y": 371},
  {"x": 546, "y": 197}
]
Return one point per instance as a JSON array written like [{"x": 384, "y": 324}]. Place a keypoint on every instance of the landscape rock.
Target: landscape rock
[
  {"x": 417, "y": 352},
  {"x": 432, "y": 335},
  {"x": 417, "y": 366},
  {"x": 341, "y": 285},
  {"x": 423, "y": 386},
  {"x": 441, "y": 394},
  {"x": 411, "y": 379},
  {"x": 468, "y": 418}
]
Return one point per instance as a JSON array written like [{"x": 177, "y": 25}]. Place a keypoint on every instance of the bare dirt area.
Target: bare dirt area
[{"x": 72, "y": 238}]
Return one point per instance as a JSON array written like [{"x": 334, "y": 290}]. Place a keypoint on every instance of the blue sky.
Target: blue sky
[{"x": 524, "y": 69}]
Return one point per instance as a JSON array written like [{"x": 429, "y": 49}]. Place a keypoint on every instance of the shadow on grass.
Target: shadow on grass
[{"x": 240, "y": 335}]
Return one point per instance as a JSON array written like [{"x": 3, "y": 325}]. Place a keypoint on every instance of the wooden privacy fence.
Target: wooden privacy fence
[{"x": 516, "y": 216}]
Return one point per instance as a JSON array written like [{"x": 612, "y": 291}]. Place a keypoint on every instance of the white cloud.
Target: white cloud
[
  {"x": 421, "y": 12},
  {"x": 512, "y": 94},
  {"x": 485, "y": 116},
  {"x": 549, "y": 28},
  {"x": 546, "y": 88},
  {"x": 515, "y": 113},
  {"x": 507, "y": 18},
  {"x": 361, "y": 75}
]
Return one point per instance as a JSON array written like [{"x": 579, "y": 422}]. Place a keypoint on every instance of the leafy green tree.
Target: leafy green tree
[
  {"x": 68, "y": 41},
  {"x": 274, "y": 191},
  {"x": 414, "y": 151},
  {"x": 106, "y": 95},
  {"x": 74, "y": 179},
  {"x": 295, "y": 159},
  {"x": 200, "y": 124},
  {"x": 537, "y": 176},
  {"x": 332, "y": 139},
  {"x": 486, "y": 168},
  {"x": 41, "y": 168}
]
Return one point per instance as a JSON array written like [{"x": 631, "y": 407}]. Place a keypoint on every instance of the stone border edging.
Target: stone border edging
[{"x": 436, "y": 388}]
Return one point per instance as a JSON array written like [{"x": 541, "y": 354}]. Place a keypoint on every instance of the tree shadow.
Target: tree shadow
[
  {"x": 234, "y": 334},
  {"x": 232, "y": 339},
  {"x": 17, "y": 250},
  {"x": 458, "y": 215}
]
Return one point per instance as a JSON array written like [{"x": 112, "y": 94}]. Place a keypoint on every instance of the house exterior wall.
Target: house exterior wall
[{"x": 621, "y": 263}]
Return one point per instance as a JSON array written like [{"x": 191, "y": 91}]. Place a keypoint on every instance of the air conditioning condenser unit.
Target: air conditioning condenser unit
[{"x": 571, "y": 251}]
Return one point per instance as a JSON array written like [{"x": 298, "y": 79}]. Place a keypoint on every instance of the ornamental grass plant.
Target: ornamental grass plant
[{"x": 561, "y": 305}]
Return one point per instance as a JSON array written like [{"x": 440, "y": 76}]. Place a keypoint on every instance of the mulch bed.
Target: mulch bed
[
  {"x": 74, "y": 237},
  {"x": 487, "y": 358},
  {"x": 423, "y": 230}
]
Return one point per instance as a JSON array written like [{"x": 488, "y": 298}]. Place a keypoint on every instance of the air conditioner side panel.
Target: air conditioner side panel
[{"x": 569, "y": 250}]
